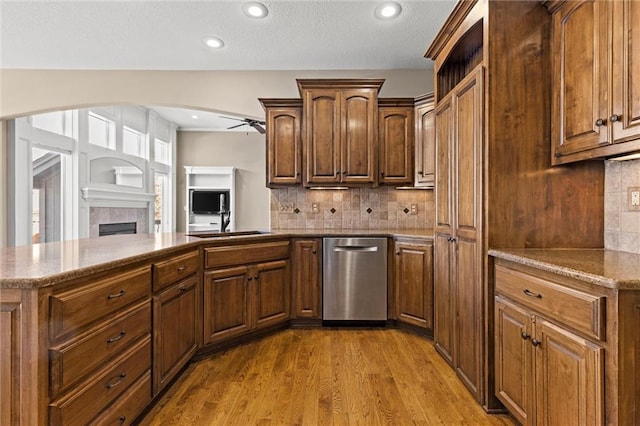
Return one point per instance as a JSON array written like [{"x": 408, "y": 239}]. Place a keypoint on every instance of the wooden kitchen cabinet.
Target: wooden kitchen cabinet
[
  {"x": 340, "y": 136},
  {"x": 307, "y": 281},
  {"x": 396, "y": 141},
  {"x": 546, "y": 373},
  {"x": 284, "y": 141},
  {"x": 458, "y": 264},
  {"x": 425, "y": 139},
  {"x": 175, "y": 332},
  {"x": 248, "y": 287},
  {"x": 596, "y": 102},
  {"x": 414, "y": 282}
]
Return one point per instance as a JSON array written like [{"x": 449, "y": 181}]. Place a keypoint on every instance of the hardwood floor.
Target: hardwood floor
[{"x": 321, "y": 377}]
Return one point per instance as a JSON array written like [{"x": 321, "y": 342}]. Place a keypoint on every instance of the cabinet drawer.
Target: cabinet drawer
[
  {"x": 244, "y": 254},
  {"x": 126, "y": 408},
  {"x": 71, "y": 360},
  {"x": 173, "y": 270},
  {"x": 582, "y": 311},
  {"x": 75, "y": 308},
  {"x": 82, "y": 405}
]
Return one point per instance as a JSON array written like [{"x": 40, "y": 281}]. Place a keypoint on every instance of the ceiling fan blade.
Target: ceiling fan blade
[
  {"x": 259, "y": 128},
  {"x": 237, "y": 125}
]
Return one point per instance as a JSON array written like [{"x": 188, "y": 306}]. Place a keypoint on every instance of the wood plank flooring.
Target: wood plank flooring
[{"x": 323, "y": 377}]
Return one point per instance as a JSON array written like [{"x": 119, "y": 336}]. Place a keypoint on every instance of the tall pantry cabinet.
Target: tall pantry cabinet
[{"x": 494, "y": 184}]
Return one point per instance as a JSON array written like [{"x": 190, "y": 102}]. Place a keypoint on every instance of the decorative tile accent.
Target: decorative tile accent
[
  {"x": 622, "y": 227},
  {"x": 369, "y": 210},
  {"x": 332, "y": 210},
  {"x": 405, "y": 210},
  {"x": 297, "y": 210}
]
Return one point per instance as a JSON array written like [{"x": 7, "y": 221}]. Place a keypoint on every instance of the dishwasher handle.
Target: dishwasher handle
[{"x": 355, "y": 248}]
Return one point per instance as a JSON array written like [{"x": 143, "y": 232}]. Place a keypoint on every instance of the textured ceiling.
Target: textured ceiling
[{"x": 167, "y": 35}]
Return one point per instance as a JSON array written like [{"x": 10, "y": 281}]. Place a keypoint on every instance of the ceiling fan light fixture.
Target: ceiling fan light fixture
[
  {"x": 213, "y": 42},
  {"x": 254, "y": 9},
  {"x": 388, "y": 10}
]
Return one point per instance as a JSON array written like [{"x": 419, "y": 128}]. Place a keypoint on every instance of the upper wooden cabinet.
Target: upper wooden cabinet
[
  {"x": 284, "y": 143},
  {"x": 425, "y": 140},
  {"x": 596, "y": 102},
  {"x": 396, "y": 141},
  {"x": 340, "y": 131}
]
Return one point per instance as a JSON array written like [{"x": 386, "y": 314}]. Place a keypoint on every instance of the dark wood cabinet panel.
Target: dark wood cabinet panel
[
  {"x": 443, "y": 176},
  {"x": 514, "y": 362},
  {"x": 175, "y": 340},
  {"x": 414, "y": 283},
  {"x": 596, "y": 105},
  {"x": 321, "y": 137},
  {"x": 359, "y": 138},
  {"x": 425, "y": 140},
  {"x": 307, "y": 265},
  {"x": 272, "y": 297},
  {"x": 396, "y": 144},
  {"x": 284, "y": 141},
  {"x": 443, "y": 297},
  {"x": 226, "y": 303}
]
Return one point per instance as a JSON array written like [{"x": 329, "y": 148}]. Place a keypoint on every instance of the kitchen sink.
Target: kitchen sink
[{"x": 206, "y": 234}]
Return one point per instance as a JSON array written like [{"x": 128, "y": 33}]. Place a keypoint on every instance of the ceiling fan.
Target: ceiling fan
[{"x": 256, "y": 124}]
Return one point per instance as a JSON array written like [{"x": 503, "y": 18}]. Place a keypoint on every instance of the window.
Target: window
[
  {"x": 101, "y": 131},
  {"x": 58, "y": 122},
  {"x": 133, "y": 142},
  {"x": 46, "y": 200},
  {"x": 162, "y": 152},
  {"x": 162, "y": 205}
]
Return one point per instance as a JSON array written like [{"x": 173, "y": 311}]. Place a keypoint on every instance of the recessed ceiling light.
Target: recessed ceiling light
[
  {"x": 255, "y": 10},
  {"x": 388, "y": 10},
  {"x": 213, "y": 42},
  {"x": 195, "y": 117}
]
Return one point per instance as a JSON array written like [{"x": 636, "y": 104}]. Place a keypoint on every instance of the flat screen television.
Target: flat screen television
[{"x": 208, "y": 202}]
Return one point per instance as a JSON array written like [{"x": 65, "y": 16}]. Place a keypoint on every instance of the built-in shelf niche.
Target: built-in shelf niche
[
  {"x": 209, "y": 179},
  {"x": 464, "y": 58}
]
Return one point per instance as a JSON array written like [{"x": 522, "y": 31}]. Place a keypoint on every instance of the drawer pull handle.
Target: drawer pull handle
[
  {"x": 118, "y": 337},
  {"x": 532, "y": 294},
  {"x": 182, "y": 268},
  {"x": 525, "y": 336},
  {"x": 117, "y": 382},
  {"x": 183, "y": 289},
  {"x": 536, "y": 342},
  {"x": 116, "y": 295}
]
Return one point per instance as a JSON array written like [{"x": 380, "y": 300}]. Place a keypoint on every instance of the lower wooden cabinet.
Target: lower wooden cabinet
[
  {"x": 414, "y": 283},
  {"x": 175, "y": 319},
  {"x": 307, "y": 279},
  {"x": 246, "y": 297},
  {"x": 545, "y": 374}
]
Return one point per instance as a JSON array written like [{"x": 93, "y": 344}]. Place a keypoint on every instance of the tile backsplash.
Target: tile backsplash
[
  {"x": 621, "y": 225},
  {"x": 355, "y": 208}
]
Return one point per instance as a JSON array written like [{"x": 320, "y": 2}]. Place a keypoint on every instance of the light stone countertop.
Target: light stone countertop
[
  {"x": 606, "y": 268},
  {"x": 41, "y": 265}
]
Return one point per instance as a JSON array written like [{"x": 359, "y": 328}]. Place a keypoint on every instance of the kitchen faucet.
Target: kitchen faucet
[{"x": 224, "y": 221}]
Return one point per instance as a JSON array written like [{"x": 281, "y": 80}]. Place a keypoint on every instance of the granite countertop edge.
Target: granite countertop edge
[
  {"x": 558, "y": 268},
  {"x": 39, "y": 279}
]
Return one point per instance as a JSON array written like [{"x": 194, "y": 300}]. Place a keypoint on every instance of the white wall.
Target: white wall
[
  {"x": 25, "y": 92},
  {"x": 246, "y": 152}
]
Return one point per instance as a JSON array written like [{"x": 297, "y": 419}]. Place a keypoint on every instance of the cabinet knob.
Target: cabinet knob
[
  {"x": 614, "y": 118},
  {"x": 381, "y": 174},
  {"x": 182, "y": 289},
  {"x": 255, "y": 277},
  {"x": 420, "y": 172},
  {"x": 535, "y": 342},
  {"x": 313, "y": 251},
  {"x": 122, "y": 419},
  {"x": 249, "y": 279},
  {"x": 524, "y": 335},
  {"x": 297, "y": 174},
  {"x": 600, "y": 122}
]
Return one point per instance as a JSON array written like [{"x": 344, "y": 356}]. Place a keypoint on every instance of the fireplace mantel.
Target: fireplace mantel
[{"x": 104, "y": 197}]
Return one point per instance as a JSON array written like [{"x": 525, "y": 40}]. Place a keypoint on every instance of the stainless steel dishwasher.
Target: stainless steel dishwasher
[{"x": 354, "y": 285}]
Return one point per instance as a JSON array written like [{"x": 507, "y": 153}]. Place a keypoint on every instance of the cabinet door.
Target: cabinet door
[
  {"x": 396, "y": 135},
  {"x": 414, "y": 284},
  {"x": 626, "y": 69},
  {"x": 569, "y": 378},
  {"x": 444, "y": 184},
  {"x": 513, "y": 360},
  {"x": 272, "y": 294},
  {"x": 307, "y": 284},
  {"x": 580, "y": 86},
  {"x": 226, "y": 304},
  {"x": 443, "y": 293},
  {"x": 322, "y": 136},
  {"x": 425, "y": 146},
  {"x": 284, "y": 149},
  {"x": 174, "y": 330},
  {"x": 358, "y": 118}
]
